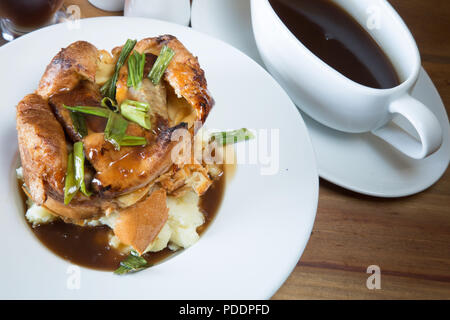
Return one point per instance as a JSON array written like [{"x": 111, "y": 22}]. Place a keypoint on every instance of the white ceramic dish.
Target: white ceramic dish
[
  {"x": 176, "y": 11},
  {"x": 108, "y": 5},
  {"x": 342, "y": 103},
  {"x": 365, "y": 164},
  {"x": 227, "y": 20},
  {"x": 353, "y": 161},
  {"x": 264, "y": 221}
]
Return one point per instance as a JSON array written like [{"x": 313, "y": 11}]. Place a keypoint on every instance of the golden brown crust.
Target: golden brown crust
[
  {"x": 76, "y": 62},
  {"x": 84, "y": 94},
  {"x": 43, "y": 153},
  {"x": 140, "y": 224},
  {"x": 136, "y": 167},
  {"x": 183, "y": 73},
  {"x": 42, "y": 147},
  {"x": 74, "y": 211},
  {"x": 42, "y": 141},
  {"x": 189, "y": 176}
]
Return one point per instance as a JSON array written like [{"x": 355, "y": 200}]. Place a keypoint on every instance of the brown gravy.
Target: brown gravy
[
  {"x": 338, "y": 39},
  {"x": 88, "y": 246}
]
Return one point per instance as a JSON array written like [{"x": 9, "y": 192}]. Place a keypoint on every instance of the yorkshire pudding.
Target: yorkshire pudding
[{"x": 46, "y": 131}]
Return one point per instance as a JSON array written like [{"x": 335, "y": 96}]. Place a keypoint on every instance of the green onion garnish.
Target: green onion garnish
[
  {"x": 136, "y": 64},
  {"x": 228, "y": 137},
  {"x": 115, "y": 129},
  {"x": 137, "y": 112},
  {"x": 129, "y": 141},
  {"x": 109, "y": 88},
  {"x": 116, "y": 126},
  {"x": 161, "y": 64},
  {"x": 132, "y": 263},
  {"x": 78, "y": 153},
  {"x": 141, "y": 106},
  {"x": 96, "y": 111},
  {"x": 110, "y": 104},
  {"x": 79, "y": 123},
  {"x": 71, "y": 187}
]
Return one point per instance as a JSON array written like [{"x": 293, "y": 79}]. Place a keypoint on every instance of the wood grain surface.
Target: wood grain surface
[{"x": 409, "y": 238}]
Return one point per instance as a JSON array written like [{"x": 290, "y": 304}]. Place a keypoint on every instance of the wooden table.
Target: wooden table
[{"x": 409, "y": 238}]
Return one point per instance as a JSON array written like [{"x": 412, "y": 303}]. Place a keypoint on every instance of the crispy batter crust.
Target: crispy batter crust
[
  {"x": 76, "y": 62},
  {"x": 183, "y": 73},
  {"x": 75, "y": 210},
  {"x": 42, "y": 147},
  {"x": 43, "y": 153},
  {"x": 84, "y": 94},
  {"x": 140, "y": 224},
  {"x": 136, "y": 167}
]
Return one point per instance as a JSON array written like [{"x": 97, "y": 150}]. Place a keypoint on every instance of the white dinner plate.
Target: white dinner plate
[
  {"x": 264, "y": 221},
  {"x": 358, "y": 162}
]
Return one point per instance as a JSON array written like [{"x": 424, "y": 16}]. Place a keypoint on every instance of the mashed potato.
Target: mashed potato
[
  {"x": 37, "y": 214},
  {"x": 180, "y": 230}
]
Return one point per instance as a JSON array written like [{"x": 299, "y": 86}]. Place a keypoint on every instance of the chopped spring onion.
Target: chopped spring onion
[
  {"x": 109, "y": 88},
  {"x": 71, "y": 187},
  {"x": 137, "y": 112},
  {"x": 141, "y": 106},
  {"x": 110, "y": 104},
  {"x": 96, "y": 111},
  {"x": 136, "y": 64},
  {"x": 129, "y": 141},
  {"x": 116, "y": 126},
  {"x": 132, "y": 263},
  {"x": 78, "y": 153},
  {"x": 161, "y": 64},
  {"x": 115, "y": 129},
  {"x": 79, "y": 123},
  {"x": 228, "y": 137}
]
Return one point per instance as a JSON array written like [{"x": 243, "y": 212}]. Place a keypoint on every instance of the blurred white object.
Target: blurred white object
[
  {"x": 108, "y": 5},
  {"x": 177, "y": 11},
  {"x": 228, "y": 20}
]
